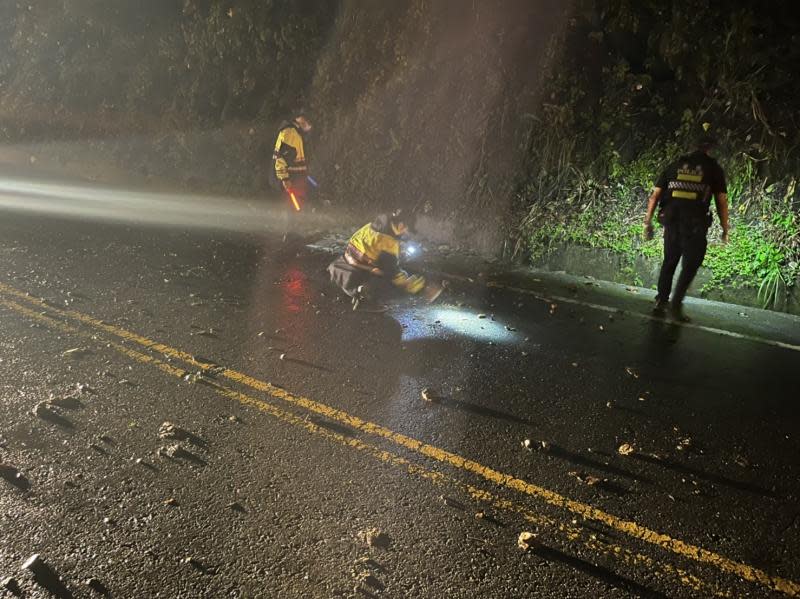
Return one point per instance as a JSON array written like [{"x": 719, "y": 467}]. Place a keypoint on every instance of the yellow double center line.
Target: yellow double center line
[{"x": 630, "y": 528}]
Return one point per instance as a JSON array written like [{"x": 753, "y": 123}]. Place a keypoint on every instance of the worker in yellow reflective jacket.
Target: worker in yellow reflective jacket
[
  {"x": 370, "y": 266},
  {"x": 289, "y": 159}
]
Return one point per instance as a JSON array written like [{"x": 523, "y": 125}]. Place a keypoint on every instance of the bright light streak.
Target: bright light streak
[
  {"x": 294, "y": 201},
  {"x": 98, "y": 203}
]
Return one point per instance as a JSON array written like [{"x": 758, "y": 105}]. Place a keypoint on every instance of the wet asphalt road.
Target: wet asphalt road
[{"x": 307, "y": 428}]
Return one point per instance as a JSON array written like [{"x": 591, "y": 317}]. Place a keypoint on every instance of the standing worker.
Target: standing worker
[
  {"x": 684, "y": 193},
  {"x": 289, "y": 159},
  {"x": 370, "y": 267}
]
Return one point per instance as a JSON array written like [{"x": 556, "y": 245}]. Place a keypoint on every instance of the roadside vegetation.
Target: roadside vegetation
[{"x": 631, "y": 90}]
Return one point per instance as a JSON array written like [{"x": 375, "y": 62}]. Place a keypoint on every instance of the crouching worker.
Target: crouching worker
[{"x": 370, "y": 267}]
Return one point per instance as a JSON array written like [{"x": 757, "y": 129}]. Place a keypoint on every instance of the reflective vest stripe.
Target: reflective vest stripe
[{"x": 692, "y": 178}]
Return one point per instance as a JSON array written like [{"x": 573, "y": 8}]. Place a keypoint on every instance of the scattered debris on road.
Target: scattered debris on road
[
  {"x": 587, "y": 479},
  {"x": 171, "y": 502},
  {"x": 168, "y": 430},
  {"x": 527, "y": 444},
  {"x": 632, "y": 372},
  {"x": 526, "y": 541},
  {"x": 76, "y": 353},
  {"x": 374, "y": 537},
  {"x": 684, "y": 444}
]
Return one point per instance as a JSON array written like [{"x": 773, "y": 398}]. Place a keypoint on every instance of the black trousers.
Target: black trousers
[
  {"x": 348, "y": 278},
  {"x": 681, "y": 240}
]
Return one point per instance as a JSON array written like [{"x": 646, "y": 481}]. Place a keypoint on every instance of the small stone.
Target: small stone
[
  {"x": 168, "y": 430},
  {"x": 236, "y": 507},
  {"x": 626, "y": 449},
  {"x": 632, "y": 372},
  {"x": 76, "y": 352},
  {"x": 172, "y": 451},
  {"x": 34, "y": 564},
  {"x": 609, "y": 404},
  {"x": 480, "y": 515},
  {"x": 97, "y": 586},
  {"x": 481, "y": 316},
  {"x": 373, "y": 537},
  {"x": 428, "y": 395},
  {"x": 194, "y": 563},
  {"x": 8, "y": 472},
  {"x": 171, "y": 502},
  {"x": 282, "y": 357},
  {"x": 527, "y": 444},
  {"x": 109, "y": 521},
  {"x": 526, "y": 540},
  {"x": 601, "y": 328},
  {"x": 234, "y": 419}
]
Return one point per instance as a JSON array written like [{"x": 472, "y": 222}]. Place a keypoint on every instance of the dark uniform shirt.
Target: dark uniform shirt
[{"x": 688, "y": 184}]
